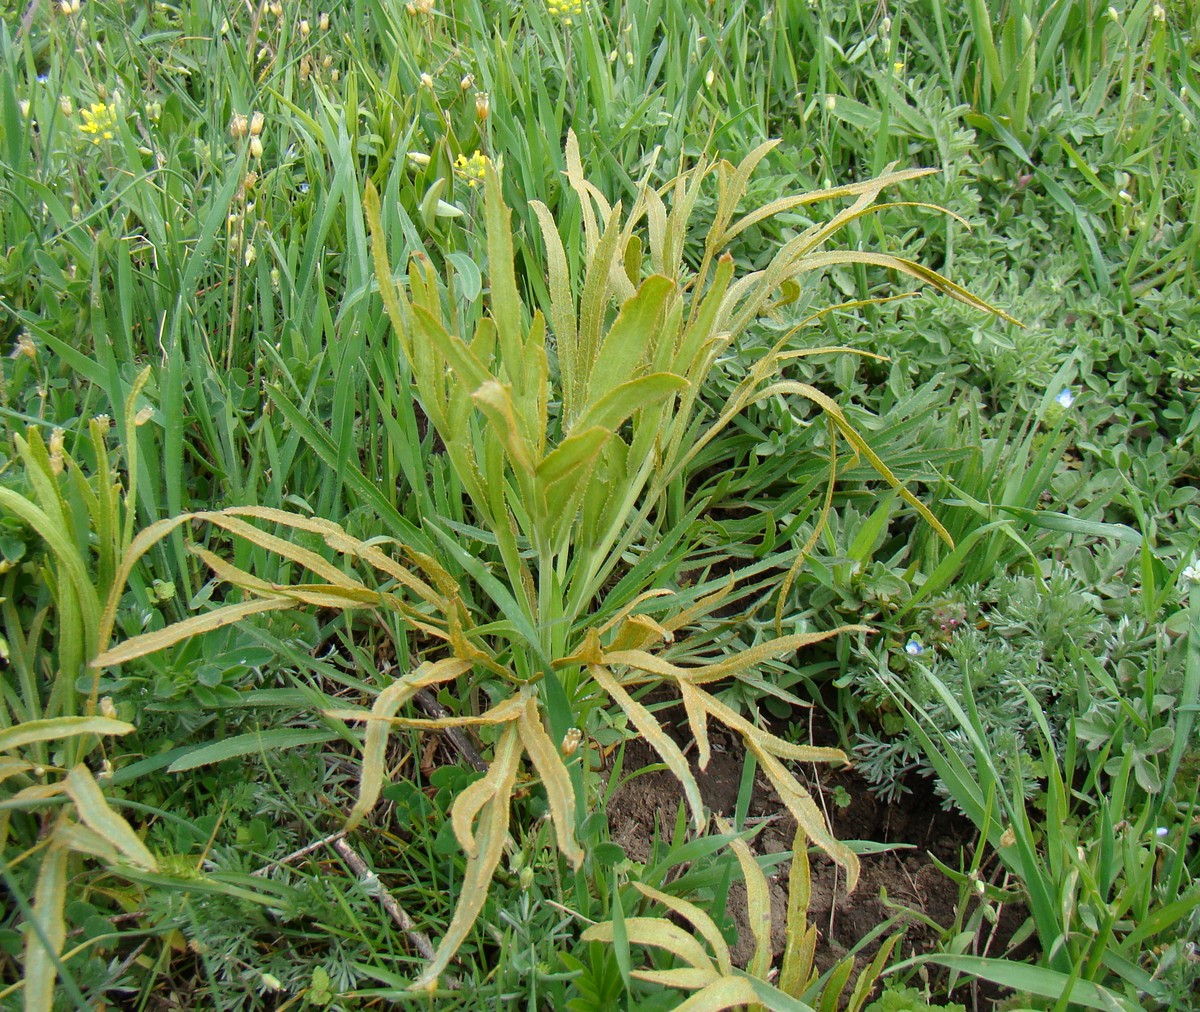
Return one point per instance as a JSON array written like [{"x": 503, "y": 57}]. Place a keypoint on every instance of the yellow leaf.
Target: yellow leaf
[
  {"x": 700, "y": 920},
  {"x": 764, "y": 739},
  {"x": 728, "y": 992},
  {"x": 10, "y": 767},
  {"x": 806, "y": 813},
  {"x": 310, "y": 560},
  {"x": 556, "y": 780},
  {"x": 801, "y": 943},
  {"x": 657, "y": 932},
  {"x": 758, "y": 903},
  {"x": 148, "y": 643},
  {"x": 59, "y": 727},
  {"x": 685, "y": 977},
  {"x": 50, "y": 900},
  {"x": 490, "y": 836},
  {"x": 743, "y": 660},
  {"x": 99, "y": 817},
  {"x": 82, "y": 840},
  {"x": 375, "y": 741},
  {"x": 697, "y": 718},
  {"x": 659, "y": 740}
]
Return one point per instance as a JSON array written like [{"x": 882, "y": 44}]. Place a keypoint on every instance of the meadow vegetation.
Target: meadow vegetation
[{"x": 407, "y": 404}]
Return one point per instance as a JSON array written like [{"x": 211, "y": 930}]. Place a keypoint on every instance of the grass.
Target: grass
[{"x": 200, "y": 296}]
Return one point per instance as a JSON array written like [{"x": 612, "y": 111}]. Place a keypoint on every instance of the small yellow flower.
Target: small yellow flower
[
  {"x": 471, "y": 169},
  {"x": 898, "y": 67},
  {"x": 483, "y": 105},
  {"x": 565, "y": 10},
  {"x": 98, "y": 121}
]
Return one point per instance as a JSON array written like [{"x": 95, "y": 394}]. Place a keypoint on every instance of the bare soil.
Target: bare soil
[{"x": 917, "y": 827}]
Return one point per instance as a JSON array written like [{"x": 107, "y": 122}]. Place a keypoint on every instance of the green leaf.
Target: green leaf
[
  {"x": 1039, "y": 980},
  {"x": 252, "y": 743},
  {"x": 468, "y": 273},
  {"x": 1072, "y": 525},
  {"x": 623, "y": 400},
  {"x": 631, "y": 339}
]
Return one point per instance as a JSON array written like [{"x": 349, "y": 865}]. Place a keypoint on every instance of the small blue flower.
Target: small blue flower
[
  {"x": 914, "y": 647},
  {"x": 1065, "y": 397}
]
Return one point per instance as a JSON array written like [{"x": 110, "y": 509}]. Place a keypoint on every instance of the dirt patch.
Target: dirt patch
[{"x": 917, "y": 829}]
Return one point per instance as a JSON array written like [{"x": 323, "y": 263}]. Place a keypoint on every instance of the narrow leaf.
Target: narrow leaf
[
  {"x": 99, "y": 817},
  {"x": 60, "y": 727}
]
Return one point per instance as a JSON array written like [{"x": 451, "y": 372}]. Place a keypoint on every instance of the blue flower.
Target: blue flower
[
  {"x": 1065, "y": 397},
  {"x": 914, "y": 647}
]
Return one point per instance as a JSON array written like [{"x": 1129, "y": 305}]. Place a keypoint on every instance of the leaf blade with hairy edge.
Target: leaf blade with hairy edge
[
  {"x": 658, "y": 739},
  {"x": 801, "y": 945},
  {"x": 808, "y": 816},
  {"x": 59, "y": 727},
  {"x": 375, "y": 740},
  {"x": 728, "y": 992},
  {"x": 490, "y": 834},
  {"x": 610, "y": 411},
  {"x": 628, "y": 344},
  {"x": 730, "y": 666},
  {"x": 758, "y": 902},
  {"x": 160, "y": 639},
  {"x": 505, "y": 298},
  {"x": 556, "y": 780},
  {"x": 700, "y": 920},
  {"x": 100, "y": 818},
  {"x": 578, "y": 450},
  {"x": 50, "y": 900},
  {"x": 659, "y": 933}
]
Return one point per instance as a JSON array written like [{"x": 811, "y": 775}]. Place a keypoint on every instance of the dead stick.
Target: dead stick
[
  {"x": 302, "y": 852},
  {"x": 369, "y": 879},
  {"x": 428, "y": 702}
]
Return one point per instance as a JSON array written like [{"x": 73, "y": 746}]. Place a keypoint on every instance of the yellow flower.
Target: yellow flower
[
  {"x": 471, "y": 169},
  {"x": 98, "y": 120},
  {"x": 565, "y": 10}
]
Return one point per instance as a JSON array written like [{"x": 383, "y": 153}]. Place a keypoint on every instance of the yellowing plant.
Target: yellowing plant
[{"x": 569, "y": 470}]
